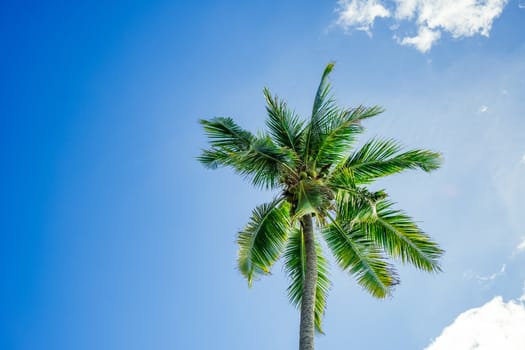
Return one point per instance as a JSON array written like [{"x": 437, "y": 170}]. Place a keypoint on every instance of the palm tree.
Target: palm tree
[{"x": 320, "y": 180}]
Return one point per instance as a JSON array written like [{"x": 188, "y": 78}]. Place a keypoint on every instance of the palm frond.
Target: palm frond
[
  {"x": 378, "y": 158},
  {"x": 255, "y": 157},
  {"x": 401, "y": 238},
  {"x": 227, "y": 140},
  {"x": 285, "y": 126},
  {"x": 295, "y": 267},
  {"x": 323, "y": 111},
  {"x": 323, "y": 90},
  {"x": 224, "y": 133},
  {"x": 342, "y": 178},
  {"x": 340, "y": 134},
  {"x": 335, "y": 142},
  {"x": 361, "y": 112},
  {"x": 262, "y": 241},
  {"x": 358, "y": 205},
  {"x": 265, "y": 163},
  {"x": 353, "y": 202},
  {"x": 357, "y": 254},
  {"x": 214, "y": 158},
  {"x": 311, "y": 197}
]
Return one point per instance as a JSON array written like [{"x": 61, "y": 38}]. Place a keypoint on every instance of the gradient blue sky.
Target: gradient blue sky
[{"x": 114, "y": 237}]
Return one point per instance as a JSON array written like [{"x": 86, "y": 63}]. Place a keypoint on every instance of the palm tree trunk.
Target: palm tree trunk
[{"x": 306, "y": 331}]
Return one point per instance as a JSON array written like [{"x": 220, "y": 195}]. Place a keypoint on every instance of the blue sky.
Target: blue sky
[{"x": 114, "y": 237}]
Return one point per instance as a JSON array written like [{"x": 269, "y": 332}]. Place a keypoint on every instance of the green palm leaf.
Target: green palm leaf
[
  {"x": 353, "y": 203},
  {"x": 340, "y": 134},
  {"x": 227, "y": 140},
  {"x": 256, "y": 158},
  {"x": 343, "y": 180},
  {"x": 295, "y": 266},
  {"x": 358, "y": 205},
  {"x": 285, "y": 127},
  {"x": 265, "y": 163},
  {"x": 378, "y": 158},
  {"x": 224, "y": 133},
  {"x": 214, "y": 158},
  {"x": 400, "y": 237},
  {"x": 311, "y": 198},
  {"x": 361, "y": 257},
  {"x": 323, "y": 112},
  {"x": 335, "y": 143},
  {"x": 262, "y": 241}
]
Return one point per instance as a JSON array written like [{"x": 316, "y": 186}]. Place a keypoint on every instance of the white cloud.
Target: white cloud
[
  {"x": 521, "y": 247},
  {"x": 423, "y": 40},
  {"x": 460, "y": 18},
  {"x": 360, "y": 14},
  {"x": 483, "y": 109},
  {"x": 523, "y": 159},
  {"x": 487, "y": 278},
  {"x": 494, "y": 275},
  {"x": 495, "y": 325},
  {"x": 405, "y": 9}
]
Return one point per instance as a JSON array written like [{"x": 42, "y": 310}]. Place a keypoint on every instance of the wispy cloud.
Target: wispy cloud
[
  {"x": 495, "y": 325},
  {"x": 483, "y": 109},
  {"x": 487, "y": 278},
  {"x": 424, "y": 39},
  {"x": 494, "y": 275},
  {"x": 360, "y": 14},
  {"x": 459, "y": 18},
  {"x": 521, "y": 246}
]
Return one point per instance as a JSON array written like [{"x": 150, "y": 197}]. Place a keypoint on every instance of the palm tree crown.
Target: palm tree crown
[{"x": 321, "y": 179}]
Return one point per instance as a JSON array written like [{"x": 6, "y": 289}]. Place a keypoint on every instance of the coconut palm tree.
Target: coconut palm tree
[{"x": 320, "y": 179}]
